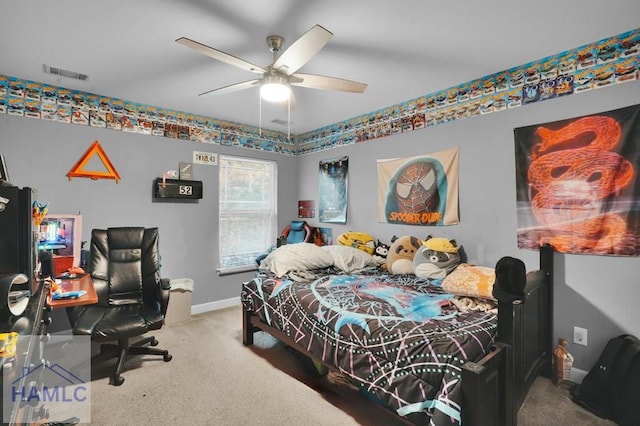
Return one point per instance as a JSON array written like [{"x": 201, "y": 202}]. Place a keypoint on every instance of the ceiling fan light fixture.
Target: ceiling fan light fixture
[{"x": 275, "y": 89}]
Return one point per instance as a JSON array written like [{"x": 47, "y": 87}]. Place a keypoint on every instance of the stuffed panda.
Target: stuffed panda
[{"x": 436, "y": 258}]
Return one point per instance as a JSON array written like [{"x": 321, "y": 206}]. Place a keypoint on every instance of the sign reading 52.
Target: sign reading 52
[{"x": 185, "y": 190}]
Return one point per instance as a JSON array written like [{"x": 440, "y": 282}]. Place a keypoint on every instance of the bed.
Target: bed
[{"x": 405, "y": 341}]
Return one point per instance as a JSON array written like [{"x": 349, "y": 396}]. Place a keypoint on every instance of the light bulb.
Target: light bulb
[{"x": 274, "y": 92}]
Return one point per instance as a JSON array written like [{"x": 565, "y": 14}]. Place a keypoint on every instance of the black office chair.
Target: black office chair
[{"x": 132, "y": 298}]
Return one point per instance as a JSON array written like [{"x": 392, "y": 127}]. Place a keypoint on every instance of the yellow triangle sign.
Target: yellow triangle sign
[{"x": 95, "y": 149}]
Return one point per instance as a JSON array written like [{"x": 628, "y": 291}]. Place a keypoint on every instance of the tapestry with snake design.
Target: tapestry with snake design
[{"x": 577, "y": 184}]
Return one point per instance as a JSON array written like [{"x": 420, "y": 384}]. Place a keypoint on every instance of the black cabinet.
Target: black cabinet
[{"x": 17, "y": 253}]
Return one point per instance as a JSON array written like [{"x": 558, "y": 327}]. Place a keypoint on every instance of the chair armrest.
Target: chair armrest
[
  {"x": 165, "y": 291},
  {"x": 165, "y": 283}
]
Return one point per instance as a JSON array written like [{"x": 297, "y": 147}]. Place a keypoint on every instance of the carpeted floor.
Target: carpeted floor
[{"x": 214, "y": 380}]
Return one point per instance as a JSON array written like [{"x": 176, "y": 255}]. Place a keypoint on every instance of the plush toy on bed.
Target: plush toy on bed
[
  {"x": 436, "y": 258},
  {"x": 360, "y": 240},
  {"x": 401, "y": 254},
  {"x": 381, "y": 250}
]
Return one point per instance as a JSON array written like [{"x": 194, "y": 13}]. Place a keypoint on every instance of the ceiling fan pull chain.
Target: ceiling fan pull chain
[
  {"x": 289, "y": 120},
  {"x": 260, "y": 114}
]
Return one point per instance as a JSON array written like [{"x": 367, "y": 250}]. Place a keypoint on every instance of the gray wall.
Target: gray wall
[
  {"x": 599, "y": 293},
  {"x": 39, "y": 154}
]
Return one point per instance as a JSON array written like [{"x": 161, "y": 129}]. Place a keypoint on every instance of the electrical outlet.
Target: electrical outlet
[{"x": 580, "y": 336}]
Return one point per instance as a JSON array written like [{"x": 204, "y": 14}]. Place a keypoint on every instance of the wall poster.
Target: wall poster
[
  {"x": 322, "y": 236},
  {"x": 332, "y": 190},
  {"x": 577, "y": 184},
  {"x": 306, "y": 209},
  {"x": 421, "y": 190}
]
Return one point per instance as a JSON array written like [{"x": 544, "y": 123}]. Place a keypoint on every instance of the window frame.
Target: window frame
[{"x": 268, "y": 215}]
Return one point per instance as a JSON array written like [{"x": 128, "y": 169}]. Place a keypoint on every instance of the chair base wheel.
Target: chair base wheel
[
  {"x": 124, "y": 349},
  {"x": 116, "y": 380}
]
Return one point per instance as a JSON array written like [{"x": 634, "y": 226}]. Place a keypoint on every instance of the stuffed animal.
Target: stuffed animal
[
  {"x": 401, "y": 254},
  {"x": 436, "y": 258},
  {"x": 381, "y": 250},
  {"x": 359, "y": 240}
]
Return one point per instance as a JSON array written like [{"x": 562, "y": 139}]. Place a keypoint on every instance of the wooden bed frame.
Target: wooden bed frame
[{"x": 494, "y": 388}]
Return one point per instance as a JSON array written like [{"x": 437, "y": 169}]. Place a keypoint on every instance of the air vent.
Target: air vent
[
  {"x": 64, "y": 73},
  {"x": 280, "y": 122}
]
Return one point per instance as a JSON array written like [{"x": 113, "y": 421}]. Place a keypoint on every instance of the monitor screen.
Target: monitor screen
[{"x": 61, "y": 234}]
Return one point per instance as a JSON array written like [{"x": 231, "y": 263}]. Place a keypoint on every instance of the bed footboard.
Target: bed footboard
[{"x": 483, "y": 389}]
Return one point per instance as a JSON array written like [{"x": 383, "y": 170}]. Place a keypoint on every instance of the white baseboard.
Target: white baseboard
[
  {"x": 214, "y": 306},
  {"x": 577, "y": 375}
]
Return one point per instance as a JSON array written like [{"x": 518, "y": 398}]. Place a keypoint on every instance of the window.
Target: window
[{"x": 247, "y": 220}]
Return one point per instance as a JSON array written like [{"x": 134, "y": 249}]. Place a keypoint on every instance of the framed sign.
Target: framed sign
[{"x": 205, "y": 158}]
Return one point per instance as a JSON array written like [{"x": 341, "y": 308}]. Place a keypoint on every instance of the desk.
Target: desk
[{"x": 74, "y": 284}]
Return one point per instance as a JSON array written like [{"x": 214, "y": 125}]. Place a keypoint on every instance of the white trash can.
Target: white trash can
[{"x": 179, "y": 308}]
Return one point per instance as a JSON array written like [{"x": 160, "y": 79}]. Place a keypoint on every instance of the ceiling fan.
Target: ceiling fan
[{"x": 276, "y": 79}]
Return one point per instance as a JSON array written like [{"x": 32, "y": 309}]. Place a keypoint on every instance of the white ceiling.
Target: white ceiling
[{"x": 401, "y": 49}]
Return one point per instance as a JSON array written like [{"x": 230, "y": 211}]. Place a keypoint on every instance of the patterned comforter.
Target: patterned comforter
[{"x": 398, "y": 337}]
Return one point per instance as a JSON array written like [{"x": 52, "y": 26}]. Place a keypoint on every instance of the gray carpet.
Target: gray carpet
[{"x": 214, "y": 380}]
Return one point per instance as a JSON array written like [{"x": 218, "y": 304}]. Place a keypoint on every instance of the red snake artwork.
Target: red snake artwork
[{"x": 572, "y": 172}]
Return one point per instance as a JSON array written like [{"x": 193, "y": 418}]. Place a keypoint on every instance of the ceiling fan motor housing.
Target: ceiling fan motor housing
[{"x": 275, "y": 43}]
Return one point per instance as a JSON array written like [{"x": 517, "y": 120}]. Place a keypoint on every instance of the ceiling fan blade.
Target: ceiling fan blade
[
  {"x": 220, "y": 55},
  {"x": 233, "y": 87},
  {"x": 313, "y": 81},
  {"x": 302, "y": 50}
]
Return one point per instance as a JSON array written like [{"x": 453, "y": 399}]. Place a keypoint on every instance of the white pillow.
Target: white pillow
[
  {"x": 350, "y": 259},
  {"x": 296, "y": 257}
]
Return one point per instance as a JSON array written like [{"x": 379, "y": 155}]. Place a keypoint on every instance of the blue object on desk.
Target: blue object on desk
[
  {"x": 70, "y": 276},
  {"x": 68, "y": 294}
]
